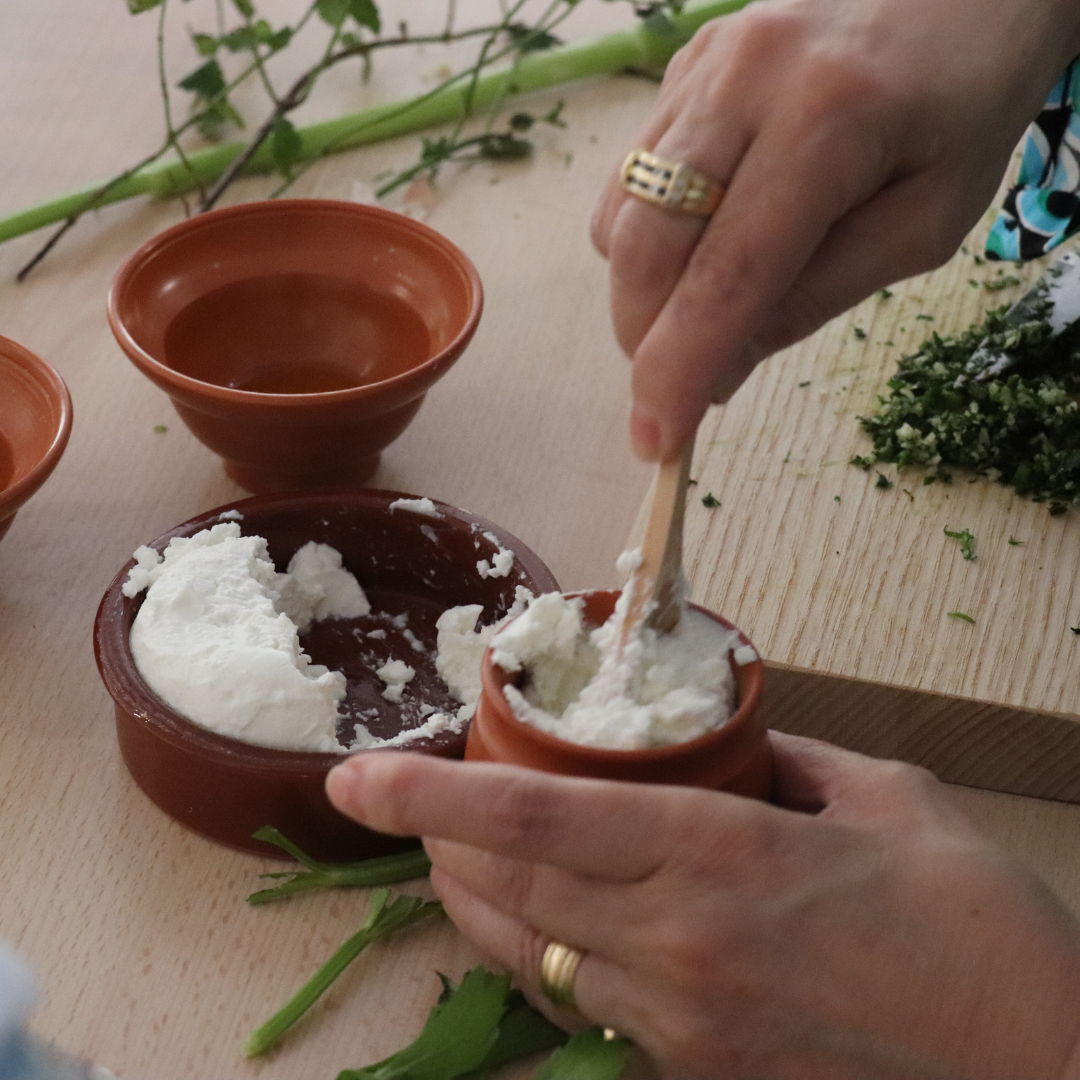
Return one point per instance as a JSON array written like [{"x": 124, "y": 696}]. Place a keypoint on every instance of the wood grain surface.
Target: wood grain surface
[
  {"x": 149, "y": 961},
  {"x": 846, "y": 587}
]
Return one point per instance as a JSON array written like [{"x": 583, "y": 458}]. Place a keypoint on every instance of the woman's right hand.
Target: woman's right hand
[{"x": 859, "y": 141}]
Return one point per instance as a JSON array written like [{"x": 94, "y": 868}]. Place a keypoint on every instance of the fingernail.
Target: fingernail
[{"x": 644, "y": 436}]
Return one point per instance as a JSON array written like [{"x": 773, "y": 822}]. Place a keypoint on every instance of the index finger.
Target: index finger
[
  {"x": 788, "y": 190},
  {"x": 603, "y": 828}
]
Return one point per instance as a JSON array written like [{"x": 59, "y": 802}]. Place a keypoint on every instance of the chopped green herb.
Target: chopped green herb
[
  {"x": 160, "y": 429},
  {"x": 883, "y": 294},
  {"x": 1020, "y": 428},
  {"x": 802, "y": 384},
  {"x": 891, "y": 344},
  {"x": 961, "y": 616},
  {"x": 1013, "y": 542},
  {"x": 862, "y": 462},
  {"x": 973, "y": 283},
  {"x": 787, "y": 457},
  {"x": 967, "y": 541},
  {"x": 859, "y": 333},
  {"x": 691, "y": 482},
  {"x": 1001, "y": 283},
  {"x": 836, "y": 498},
  {"x": 908, "y": 494},
  {"x": 710, "y": 501},
  {"x": 925, "y": 318},
  {"x": 1075, "y": 629},
  {"x": 979, "y": 260},
  {"x": 882, "y": 482}
]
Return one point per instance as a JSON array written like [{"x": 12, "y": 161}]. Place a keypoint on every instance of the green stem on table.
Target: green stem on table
[
  {"x": 637, "y": 47},
  {"x": 381, "y": 870},
  {"x": 382, "y": 920}
]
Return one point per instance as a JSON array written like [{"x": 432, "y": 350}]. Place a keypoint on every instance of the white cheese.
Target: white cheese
[
  {"x": 662, "y": 689},
  {"x": 214, "y": 641},
  {"x": 417, "y": 506},
  {"x": 396, "y": 674},
  {"x": 501, "y": 563},
  {"x": 461, "y": 647}
]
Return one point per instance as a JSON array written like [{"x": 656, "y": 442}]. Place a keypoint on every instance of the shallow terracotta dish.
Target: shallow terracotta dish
[
  {"x": 296, "y": 337},
  {"x": 736, "y": 757},
  {"x": 35, "y": 422},
  {"x": 406, "y": 562}
]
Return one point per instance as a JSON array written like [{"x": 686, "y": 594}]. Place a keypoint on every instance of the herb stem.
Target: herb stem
[
  {"x": 383, "y": 920},
  {"x": 636, "y": 47}
]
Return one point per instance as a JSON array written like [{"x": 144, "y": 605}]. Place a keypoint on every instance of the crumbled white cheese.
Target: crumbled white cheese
[
  {"x": 461, "y": 646},
  {"x": 744, "y": 654},
  {"x": 413, "y": 640},
  {"x": 396, "y": 674},
  {"x": 417, "y": 506},
  {"x": 230, "y": 515},
  {"x": 501, "y": 562},
  {"x": 316, "y": 586},
  {"x": 660, "y": 689},
  {"x": 213, "y": 642},
  {"x": 435, "y": 725},
  {"x": 378, "y": 634}
]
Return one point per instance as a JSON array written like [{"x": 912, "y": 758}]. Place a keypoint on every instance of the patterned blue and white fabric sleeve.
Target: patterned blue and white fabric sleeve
[
  {"x": 21, "y": 1056},
  {"x": 1043, "y": 209}
]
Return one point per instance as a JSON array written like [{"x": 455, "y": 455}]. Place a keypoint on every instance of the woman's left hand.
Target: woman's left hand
[{"x": 863, "y": 928}]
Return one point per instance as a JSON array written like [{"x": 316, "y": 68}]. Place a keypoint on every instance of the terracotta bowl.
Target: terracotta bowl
[
  {"x": 296, "y": 338},
  {"x": 35, "y": 422},
  {"x": 736, "y": 757},
  {"x": 408, "y": 563}
]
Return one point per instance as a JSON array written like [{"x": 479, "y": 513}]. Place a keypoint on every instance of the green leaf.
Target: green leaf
[
  {"x": 366, "y": 14},
  {"x": 206, "y": 82},
  {"x": 505, "y": 147},
  {"x": 528, "y": 39},
  {"x": 206, "y": 44},
  {"x": 961, "y": 616},
  {"x": 521, "y": 121},
  {"x": 522, "y": 1031},
  {"x": 459, "y": 1034},
  {"x": 245, "y": 7},
  {"x": 285, "y": 144},
  {"x": 588, "y": 1056},
  {"x": 333, "y": 12},
  {"x": 137, "y": 6}
]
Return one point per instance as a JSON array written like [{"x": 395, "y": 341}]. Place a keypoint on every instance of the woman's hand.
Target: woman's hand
[
  {"x": 859, "y": 142},
  {"x": 861, "y": 929}
]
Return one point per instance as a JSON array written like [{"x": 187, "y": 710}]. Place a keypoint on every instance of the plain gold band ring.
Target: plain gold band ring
[
  {"x": 670, "y": 184},
  {"x": 558, "y": 970}
]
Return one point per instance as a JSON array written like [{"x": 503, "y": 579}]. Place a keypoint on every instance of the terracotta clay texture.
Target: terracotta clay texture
[
  {"x": 296, "y": 338},
  {"x": 736, "y": 757},
  {"x": 35, "y": 422},
  {"x": 408, "y": 563}
]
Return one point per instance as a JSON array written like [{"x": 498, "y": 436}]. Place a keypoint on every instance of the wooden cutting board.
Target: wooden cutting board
[{"x": 845, "y": 587}]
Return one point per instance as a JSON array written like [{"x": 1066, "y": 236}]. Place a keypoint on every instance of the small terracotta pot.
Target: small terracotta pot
[
  {"x": 736, "y": 757},
  {"x": 35, "y": 422},
  {"x": 406, "y": 563},
  {"x": 296, "y": 337}
]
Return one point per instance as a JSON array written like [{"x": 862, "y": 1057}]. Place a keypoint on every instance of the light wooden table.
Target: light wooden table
[{"x": 150, "y": 962}]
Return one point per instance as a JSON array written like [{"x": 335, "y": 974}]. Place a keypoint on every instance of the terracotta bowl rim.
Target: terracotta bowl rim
[
  {"x": 129, "y": 692},
  {"x": 50, "y": 380},
  {"x": 748, "y": 703},
  {"x": 270, "y": 207}
]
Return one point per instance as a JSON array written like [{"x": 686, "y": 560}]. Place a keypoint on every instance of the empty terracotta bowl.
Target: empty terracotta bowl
[
  {"x": 736, "y": 757},
  {"x": 408, "y": 563},
  {"x": 35, "y": 422},
  {"x": 296, "y": 338}
]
